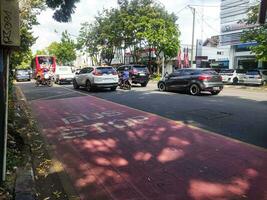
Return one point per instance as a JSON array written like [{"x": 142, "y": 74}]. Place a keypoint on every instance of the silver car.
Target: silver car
[
  {"x": 256, "y": 77},
  {"x": 96, "y": 77},
  {"x": 233, "y": 76}
]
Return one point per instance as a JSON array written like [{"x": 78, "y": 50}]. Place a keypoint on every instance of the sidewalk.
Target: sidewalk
[{"x": 111, "y": 151}]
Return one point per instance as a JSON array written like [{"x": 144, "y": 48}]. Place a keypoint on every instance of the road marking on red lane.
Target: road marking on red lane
[
  {"x": 133, "y": 154},
  {"x": 178, "y": 122}
]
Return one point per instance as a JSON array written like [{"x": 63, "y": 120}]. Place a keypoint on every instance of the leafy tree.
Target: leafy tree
[
  {"x": 63, "y": 9},
  {"x": 65, "y": 50},
  {"x": 256, "y": 33},
  {"x": 136, "y": 25},
  {"x": 28, "y": 12}
]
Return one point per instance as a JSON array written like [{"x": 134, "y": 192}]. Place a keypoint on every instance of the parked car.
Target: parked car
[
  {"x": 256, "y": 77},
  {"x": 192, "y": 81},
  {"x": 96, "y": 77},
  {"x": 139, "y": 74},
  {"x": 63, "y": 74},
  {"x": 23, "y": 74},
  {"x": 233, "y": 76}
]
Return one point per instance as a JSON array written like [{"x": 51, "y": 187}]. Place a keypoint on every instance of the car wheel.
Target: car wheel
[
  {"x": 194, "y": 89},
  {"x": 113, "y": 88},
  {"x": 162, "y": 86},
  {"x": 215, "y": 92},
  {"x": 235, "y": 81},
  {"x": 88, "y": 86},
  {"x": 75, "y": 84},
  {"x": 264, "y": 83}
]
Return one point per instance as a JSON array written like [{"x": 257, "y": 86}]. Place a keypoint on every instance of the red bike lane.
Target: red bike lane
[{"x": 115, "y": 152}]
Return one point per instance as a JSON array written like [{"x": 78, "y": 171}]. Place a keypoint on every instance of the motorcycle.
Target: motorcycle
[
  {"x": 125, "y": 84},
  {"x": 46, "y": 80}
]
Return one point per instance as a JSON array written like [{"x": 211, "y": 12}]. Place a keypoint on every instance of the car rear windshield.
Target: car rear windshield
[
  {"x": 227, "y": 71},
  {"x": 254, "y": 72},
  {"x": 22, "y": 72},
  {"x": 140, "y": 68},
  {"x": 209, "y": 72},
  {"x": 64, "y": 69},
  {"x": 105, "y": 70}
]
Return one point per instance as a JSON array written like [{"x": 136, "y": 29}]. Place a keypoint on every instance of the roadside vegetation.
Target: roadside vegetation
[
  {"x": 256, "y": 33},
  {"x": 136, "y": 25}
]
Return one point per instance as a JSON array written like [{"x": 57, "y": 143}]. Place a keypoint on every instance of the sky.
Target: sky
[{"x": 209, "y": 10}]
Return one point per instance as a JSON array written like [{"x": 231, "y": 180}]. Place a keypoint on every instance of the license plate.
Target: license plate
[
  {"x": 142, "y": 74},
  {"x": 216, "y": 88}
]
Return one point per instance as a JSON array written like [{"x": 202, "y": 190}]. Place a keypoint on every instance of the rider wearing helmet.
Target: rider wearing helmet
[{"x": 125, "y": 74}]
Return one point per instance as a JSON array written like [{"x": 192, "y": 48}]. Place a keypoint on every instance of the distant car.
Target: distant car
[
  {"x": 63, "y": 74},
  {"x": 139, "y": 74},
  {"x": 192, "y": 81},
  {"x": 96, "y": 77},
  {"x": 23, "y": 74},
  {"x": 233, "y": 76},
  {"x": 256, "y": 77}
]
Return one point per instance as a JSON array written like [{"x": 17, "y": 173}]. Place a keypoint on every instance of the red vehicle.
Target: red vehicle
[{"x": 42, "y": 63}]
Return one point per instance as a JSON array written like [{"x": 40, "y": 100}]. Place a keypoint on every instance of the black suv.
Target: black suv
[
  {"x": 139, "y": 74},
  {"x": 193, "y": 81}
]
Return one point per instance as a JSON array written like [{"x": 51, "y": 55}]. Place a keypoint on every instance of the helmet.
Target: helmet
[{"x": 126, "y": 69}]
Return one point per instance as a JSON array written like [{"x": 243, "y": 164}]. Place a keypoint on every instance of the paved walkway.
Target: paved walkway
[{"x": 115, "y": 152}]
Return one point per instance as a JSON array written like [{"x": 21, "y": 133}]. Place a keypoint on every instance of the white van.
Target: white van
[{"x": 63, "y": 74}]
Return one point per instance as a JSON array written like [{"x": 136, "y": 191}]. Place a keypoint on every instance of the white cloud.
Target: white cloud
[{"x": 86, "y": 10}]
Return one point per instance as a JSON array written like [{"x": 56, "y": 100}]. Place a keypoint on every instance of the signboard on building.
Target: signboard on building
[{"x": 9, "y": 16}]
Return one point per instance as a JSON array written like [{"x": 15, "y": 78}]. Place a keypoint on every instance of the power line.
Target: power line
[{"x": 211, "y": 27}]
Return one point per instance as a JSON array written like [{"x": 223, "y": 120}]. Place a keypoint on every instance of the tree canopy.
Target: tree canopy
[
  {"x": 135, "y": 25},
  {"x": 65, "y": 50},
  {"x": 257, "y": 33},
  {"x": 63, "y": 9}
]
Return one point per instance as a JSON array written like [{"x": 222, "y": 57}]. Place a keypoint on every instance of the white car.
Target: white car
[
  {"x": 63, "y": 74},
  {"x": 96, "y": 77},
  {"x": 256, "y": 77},
  {"x": 233, "y": 76}
]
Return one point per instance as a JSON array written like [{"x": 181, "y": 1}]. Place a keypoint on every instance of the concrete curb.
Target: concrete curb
[{"x": 24, "y": 188}]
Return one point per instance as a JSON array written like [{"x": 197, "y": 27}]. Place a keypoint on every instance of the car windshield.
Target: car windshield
[
  {"x": 45, "y": 60},
  {"x": 140, "y": 68},
  {"x": 64, "y": 70},
  {"x": 227, "y": 71},
  {"x": 22, "y": 72},
  {"x": 254, "y": 72},
  {"x": 209, "y": 72},
  {"x": 105, "y": 70}
]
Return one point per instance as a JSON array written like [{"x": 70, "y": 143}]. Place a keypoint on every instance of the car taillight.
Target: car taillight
[
  {"x": 204, "y": 78},
  {"x": 135, "y": 71},
  {"x": 220, "y": 77},
  {"x": 114, "y": 73},
  {"x": 97, "y": 73},
  {"x": 259, "y": 77}
]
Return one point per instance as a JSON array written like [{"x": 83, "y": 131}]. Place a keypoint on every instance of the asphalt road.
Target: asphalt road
[{"x": 235, "y": 113}]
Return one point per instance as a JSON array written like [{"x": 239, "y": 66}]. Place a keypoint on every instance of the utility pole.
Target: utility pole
[{"x": 193, "y": 34}]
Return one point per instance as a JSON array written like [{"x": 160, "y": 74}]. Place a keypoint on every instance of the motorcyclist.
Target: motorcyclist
[{"x": 125, "y": 75}]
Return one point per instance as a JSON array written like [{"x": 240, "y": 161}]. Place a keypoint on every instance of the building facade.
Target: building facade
[{"x": 232, "y": 12}]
